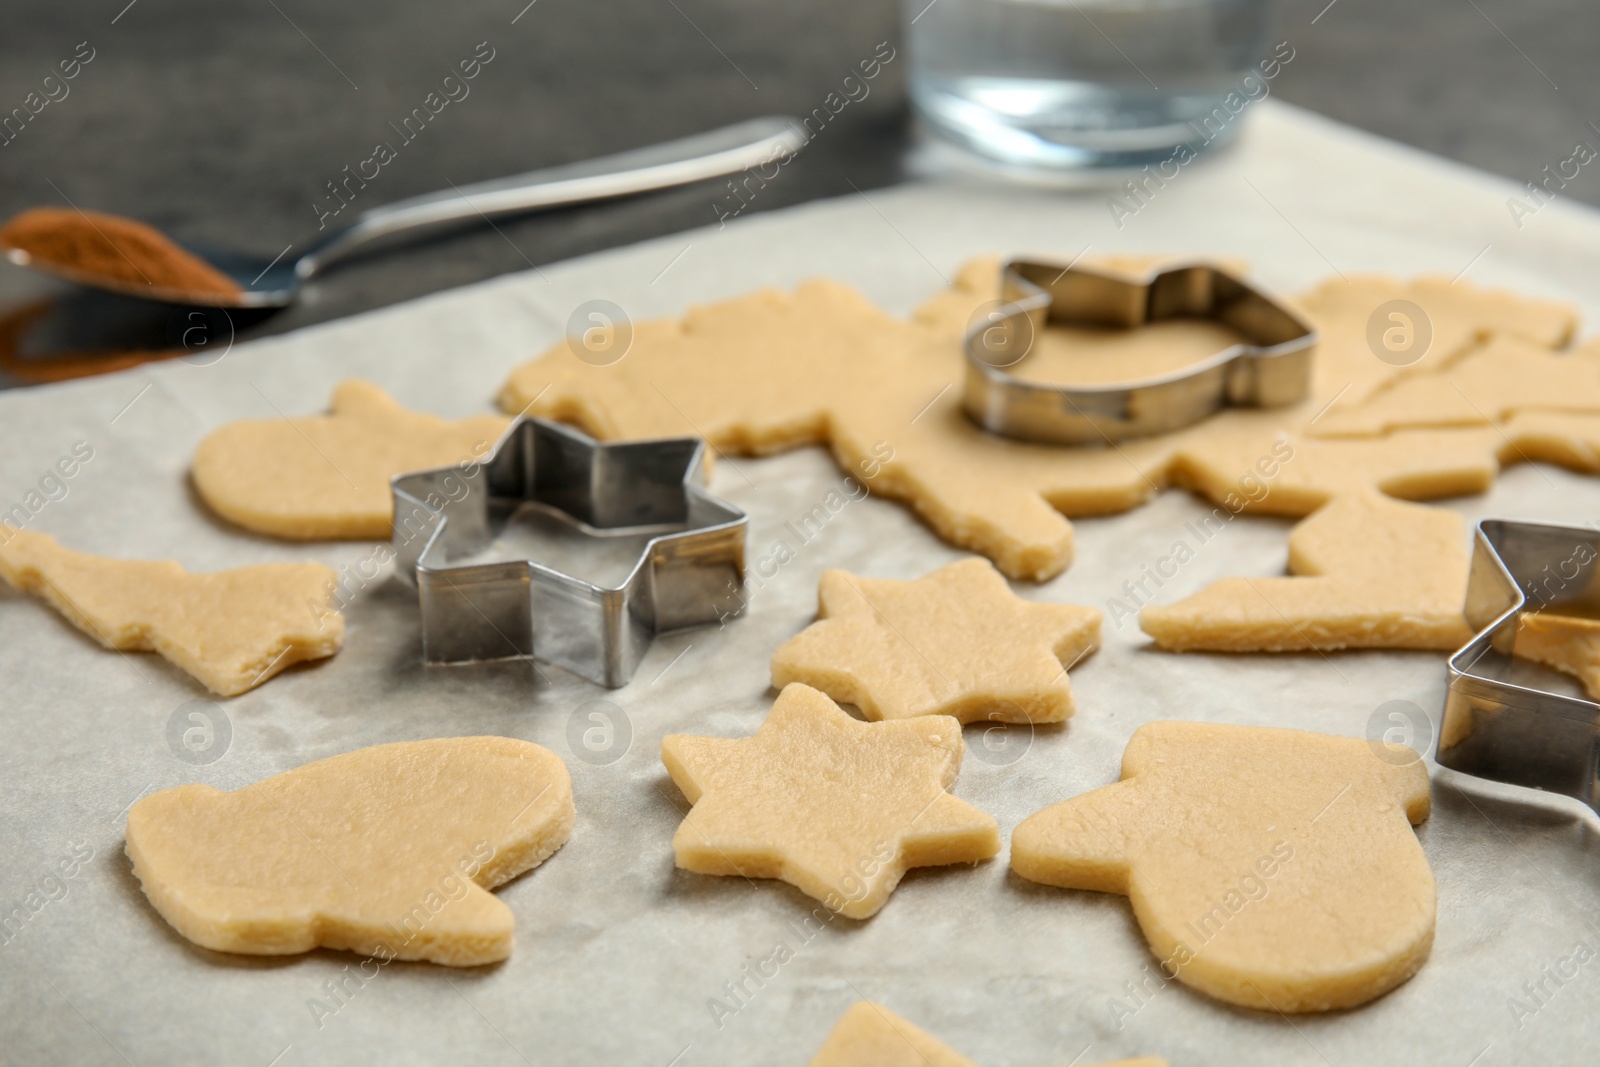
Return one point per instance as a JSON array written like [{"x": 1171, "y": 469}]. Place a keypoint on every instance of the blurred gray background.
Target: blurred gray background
[{"x": 224, "y": 120}]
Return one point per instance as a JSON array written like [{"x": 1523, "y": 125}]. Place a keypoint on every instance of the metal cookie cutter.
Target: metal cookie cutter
[
  {"x": 638, "y": 501},
  {"x": 1499, "y": 721},
  {"x": 1271, "y": 369}
]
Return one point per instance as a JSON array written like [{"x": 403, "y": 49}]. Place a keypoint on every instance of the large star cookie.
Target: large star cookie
[
  {"x": 955, "y": 642},
  {"x": 870, "y": 1035},
  {"x": 1270, "y": 868},
  {"x": 387, "y": 851},
  {"x": 838, "y": 808},
  {"x": 327, "y": 476},
  {"x": 231, "y": 630}
]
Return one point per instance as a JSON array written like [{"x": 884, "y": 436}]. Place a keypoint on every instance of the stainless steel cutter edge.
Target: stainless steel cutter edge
[
  {"x": 687, "y": 575},
  {"x": 1500, "y": 730},
  {"x": 1271, "y": 373}
]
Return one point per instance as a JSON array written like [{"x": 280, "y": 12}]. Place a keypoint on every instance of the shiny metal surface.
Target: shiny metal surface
[
  {"x": 1271, "y": 369},
  {"x": 1502, "y": 720},
  {"x": 688, "y": 573},
  {"x": 273, "y": 283}
]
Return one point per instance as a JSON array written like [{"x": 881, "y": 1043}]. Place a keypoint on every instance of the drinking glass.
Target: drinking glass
[{"x": 1068, "y": 85}]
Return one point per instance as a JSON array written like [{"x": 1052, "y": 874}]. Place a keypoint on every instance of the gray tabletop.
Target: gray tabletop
[{"x": 224, "y": 122}]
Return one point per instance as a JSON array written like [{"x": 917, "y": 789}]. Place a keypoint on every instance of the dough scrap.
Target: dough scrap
[
  {"x": 389, "y": 851},
  {"x": 954, "y": 642},
  {"x": 231, "y": 630},
  {"x": 870, "y": 1035},
  {"x": 838, "y": 808},
  {"x": 1500, "y": 378},
  {"x": 326, "y": 477},
  {"x": 1270, "y": 868},
  {"x": 1460, "y": 317},
  {"x": 1373, "y": 573},
  {"x": 1564, "y": 439},
  {"x": 1566, "y": 642},
  {"x": 770, "y": 371}
]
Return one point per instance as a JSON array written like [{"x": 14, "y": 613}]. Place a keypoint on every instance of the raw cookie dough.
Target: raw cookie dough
[
  {"x": 326, "y": 477},
  {"x": 770, "y": 371},
  {"x": 1271, "y": 868},
  {"x": 1564, "y": 439},
  {"x": 231, "y": 630},
  {"x": 1487, "y": 385},
  {"x": 870, "y": 1035},
  {"x": 1455, "y": 318},
  {"x": 388, "y": 851},
  {"x": 1565, "y": 642},
  {"x": 1374, "y": 573},
  {"x": 838, "y": 808},
  {"x": 955, "y": 642}
]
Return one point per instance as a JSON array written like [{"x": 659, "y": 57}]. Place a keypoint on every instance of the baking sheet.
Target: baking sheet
[{"x": 619, "y": 954}]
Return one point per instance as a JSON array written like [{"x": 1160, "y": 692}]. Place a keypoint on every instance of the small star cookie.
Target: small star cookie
[
  {"x": 231, "y": 630},
  {"x": 389, "y": 851},
  {"x": 955, "y": 642},
  {"x": 870, "y": 1035},
  {"x": 838, "y": 808},
  {"x": 1271, "y": 868},
  {"x": 326, "y": 477}
]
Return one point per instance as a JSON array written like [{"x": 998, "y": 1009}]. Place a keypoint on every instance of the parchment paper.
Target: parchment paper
[{"x": 619, "y": 954}]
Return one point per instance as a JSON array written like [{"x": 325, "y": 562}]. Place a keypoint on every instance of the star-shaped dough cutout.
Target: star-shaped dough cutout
[
  {"x": 954, "y": 642},
  {"x": 838, "y": 808},
  {"x": 870, "y": 1035},
  {"x": 231, "y": 630},
  {"x": 326, "y": 477},
  {"x": 389, "y": 851},
  {"x": 1275, "y": 869}
]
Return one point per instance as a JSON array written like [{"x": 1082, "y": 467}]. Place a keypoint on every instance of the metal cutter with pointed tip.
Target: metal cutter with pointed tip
[
  {"x": 688, "y": 572},
  {"x": 1499, "y": 723}
]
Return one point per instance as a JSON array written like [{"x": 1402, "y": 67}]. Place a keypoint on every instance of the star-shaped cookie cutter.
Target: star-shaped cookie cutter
[
  {"x": 685, "y": 574},
  {"x": 1495, "y": 726},
  {"x": 1271, "y": 368}
]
